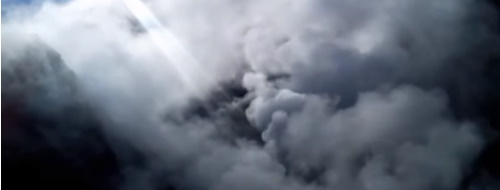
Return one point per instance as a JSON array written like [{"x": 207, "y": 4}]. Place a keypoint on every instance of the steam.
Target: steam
[{"x": 348, "y": 95}]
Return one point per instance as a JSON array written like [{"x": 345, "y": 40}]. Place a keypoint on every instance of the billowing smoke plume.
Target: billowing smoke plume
[{"x": 317, "y": 94}]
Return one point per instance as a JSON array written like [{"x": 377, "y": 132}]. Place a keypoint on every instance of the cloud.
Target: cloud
[
  {"x": 337, "y": 94},
  {"x": 401, "y": 139}
]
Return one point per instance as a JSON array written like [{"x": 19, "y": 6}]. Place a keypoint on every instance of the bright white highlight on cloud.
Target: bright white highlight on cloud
[{"x": 179, "y": 56}]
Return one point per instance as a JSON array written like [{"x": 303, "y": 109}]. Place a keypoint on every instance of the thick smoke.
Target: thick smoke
[{"x": 318, "y": 94}]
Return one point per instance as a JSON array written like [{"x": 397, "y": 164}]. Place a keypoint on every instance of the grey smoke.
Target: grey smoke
[{"x": 365, "y": 103}]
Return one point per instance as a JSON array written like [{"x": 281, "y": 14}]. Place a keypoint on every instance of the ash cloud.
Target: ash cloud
[{"x": 349, "y": 95}]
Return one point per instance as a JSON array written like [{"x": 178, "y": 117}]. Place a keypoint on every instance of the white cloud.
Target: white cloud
[{"x": 397, "y": 138}]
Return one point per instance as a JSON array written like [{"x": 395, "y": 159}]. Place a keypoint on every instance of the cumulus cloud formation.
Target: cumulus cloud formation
[
  {"x": 282, "y": 94},
  {"x": 378, "y": 143}
]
